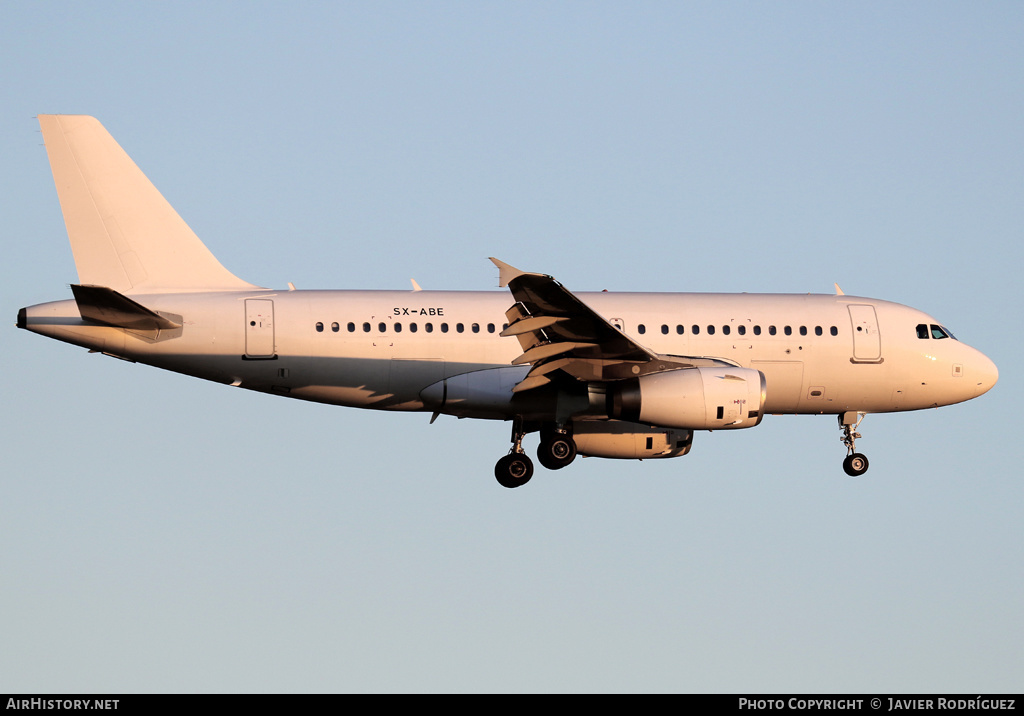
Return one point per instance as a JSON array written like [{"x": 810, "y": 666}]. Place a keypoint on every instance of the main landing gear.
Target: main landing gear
[
  {"x": 557, "y": 449},
  {"x": 516, "y": 468},
  {"x": 855, "y": 463}
]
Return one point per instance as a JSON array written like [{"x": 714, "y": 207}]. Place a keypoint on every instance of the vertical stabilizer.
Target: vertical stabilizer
[{"x": 123, "y": 233}]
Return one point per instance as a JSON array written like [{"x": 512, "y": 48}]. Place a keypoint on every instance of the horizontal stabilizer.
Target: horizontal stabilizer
[{"x": 105, "y": 305}]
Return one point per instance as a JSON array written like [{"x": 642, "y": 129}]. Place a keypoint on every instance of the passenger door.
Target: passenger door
[
  {"x": 867, "y": 342},
  {"x": 259, "y": 328}
]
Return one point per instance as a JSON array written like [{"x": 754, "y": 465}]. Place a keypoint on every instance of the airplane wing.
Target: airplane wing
[{"x": 557, "y": 331}]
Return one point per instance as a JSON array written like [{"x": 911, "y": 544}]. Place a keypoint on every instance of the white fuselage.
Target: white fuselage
[
  {"x": 615, "y": 375},
  {"x": 381, "y": 349}
]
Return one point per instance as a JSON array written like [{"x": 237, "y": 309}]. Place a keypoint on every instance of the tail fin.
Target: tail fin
[{"x": 123, "y": 233}]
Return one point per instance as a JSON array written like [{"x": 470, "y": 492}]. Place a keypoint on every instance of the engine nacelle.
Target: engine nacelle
[
  {"x": 629, "y": 441},
  {"x": 693, "y": 398}
]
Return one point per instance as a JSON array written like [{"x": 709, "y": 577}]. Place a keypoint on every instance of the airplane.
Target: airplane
[{"x": 611, "y": 375}]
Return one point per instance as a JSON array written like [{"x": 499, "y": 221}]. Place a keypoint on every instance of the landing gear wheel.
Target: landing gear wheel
[
  {"x": 514, "y": 470},
  {"x": 556, "y": 451},
  {"x": 855, "y": 464}
]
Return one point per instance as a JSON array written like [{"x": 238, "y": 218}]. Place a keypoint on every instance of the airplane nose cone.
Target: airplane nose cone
[{"x": 986, "y": 374}]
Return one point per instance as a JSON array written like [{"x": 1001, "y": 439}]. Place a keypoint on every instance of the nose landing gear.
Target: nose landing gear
[{"x": 855, "y": 463}]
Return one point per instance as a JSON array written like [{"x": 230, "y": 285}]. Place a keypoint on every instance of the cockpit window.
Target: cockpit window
[{"x": 925, "y": 330}]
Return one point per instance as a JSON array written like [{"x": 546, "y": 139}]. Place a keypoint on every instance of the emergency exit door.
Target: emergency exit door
[{"x": 259, "y": 328}]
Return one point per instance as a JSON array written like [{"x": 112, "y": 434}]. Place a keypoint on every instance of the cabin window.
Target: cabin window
[
  {"x": 711, "y": 330},
  {"x": 319, "y": 327},
  {"x": 664, "y": 329},
  {"x": 726, "y": 330},
  {"x": 641, "y": 329},
  {"x": 803, "y": 330},
  {"x": 413, "y": 327},
  {"x": 742, "y": 330},
  {"x": 335, "y": 327},
  {"x": 490, "y": 328},
  {"x": 476, "y": 328},
  {"x": 351, "y": 327},
  {"x": 459, "y": 328},
  {"x": 429, "y": 328},
  {"x": 444, "y": 328},
  {"x": 788, "y": 330},
  {"x": 382, "y": 327},
  {"x": 757, "y": 330},
  {"x": 817, "y": 330},
  {"x": 771, "y": 330},
  {"x": 366, "y": 328},
  {"x": 834, "y": 331},
  {"x": 695, "y": 329},
  {"x": 680, "y": 330}
]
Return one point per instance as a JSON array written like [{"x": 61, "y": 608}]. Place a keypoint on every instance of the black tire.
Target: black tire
[
  {"x": 556, "y": 451},
  {"x": 514, "y": 470},
  {"x": 855, "y": 465}
]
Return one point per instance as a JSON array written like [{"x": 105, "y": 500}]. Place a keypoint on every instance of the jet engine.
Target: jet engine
[{"x": 718, "y": 398}]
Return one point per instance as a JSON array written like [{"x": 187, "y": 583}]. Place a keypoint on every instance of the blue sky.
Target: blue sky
[{"x": 158, "y": 533}]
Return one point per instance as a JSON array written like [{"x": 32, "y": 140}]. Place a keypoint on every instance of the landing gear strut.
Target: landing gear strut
[
  {"x": 855, "y": 463},
  {"x": 516, "y": 468}
]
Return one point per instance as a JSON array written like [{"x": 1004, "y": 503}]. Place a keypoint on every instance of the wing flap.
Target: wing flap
[
  {"x": 531, "y": 324},
  {"x": 530, "y": 382},
  {"x": 544, "y": 351}
]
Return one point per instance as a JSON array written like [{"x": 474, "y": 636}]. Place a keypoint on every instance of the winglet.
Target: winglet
[
  {"x": 839, "y": 291},
  {"x": 505, "y": 272}
]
